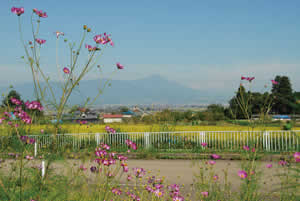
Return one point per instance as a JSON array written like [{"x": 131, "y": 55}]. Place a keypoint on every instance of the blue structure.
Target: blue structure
[
  {"x": 12, "y": 117},
  {"x": 281, "y": 117},
  {"x": 55, "y": 121},
  {"x": 129, "y": 112}
]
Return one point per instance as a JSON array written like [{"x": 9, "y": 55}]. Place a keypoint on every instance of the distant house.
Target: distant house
[
  {"x": 112, "y": 118},
  {"x": 78, "y": 116}
]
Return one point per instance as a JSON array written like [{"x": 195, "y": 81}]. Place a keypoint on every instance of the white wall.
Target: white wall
[{"x": 112, "y": 120}]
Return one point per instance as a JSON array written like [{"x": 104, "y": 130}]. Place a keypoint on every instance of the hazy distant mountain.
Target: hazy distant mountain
[{"x": 150, "y": 90}]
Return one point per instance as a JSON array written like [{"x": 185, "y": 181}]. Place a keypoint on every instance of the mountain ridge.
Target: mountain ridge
[{"x": 153, "y": 89}]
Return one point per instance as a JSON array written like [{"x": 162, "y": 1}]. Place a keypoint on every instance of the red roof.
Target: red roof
[{"x": 112, "y": 116}]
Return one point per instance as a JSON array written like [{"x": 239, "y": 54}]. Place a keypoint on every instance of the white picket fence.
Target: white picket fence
[{"x": 274, "y": 141}]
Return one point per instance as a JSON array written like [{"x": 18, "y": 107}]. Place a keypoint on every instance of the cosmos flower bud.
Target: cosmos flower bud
[
  {"x": 84, "y": 27},
  {"x": 89, "y": 30}
]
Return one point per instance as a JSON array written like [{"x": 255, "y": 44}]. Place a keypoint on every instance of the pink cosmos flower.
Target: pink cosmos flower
[
  {"x": 246, "y": 148},
  {"x": 274, "y": 82},
  {"x": 66, "y": 70},
  {"x": 15, "y": 101},
  {"x": 122, "y": 158},
  {"x": 203, "y": 144},
  {"x": 177, "y": 198},
  {"x": 58, "y": 33},
  {"x": 129, "y": 177},
  {"x": 133, "y": 196},
  {"x": 111, "y": 130},
  {"x": 42, "y": 130},
  {"x": 149, "y": 189},
  {"x": 212, "y": 162},
  {"x": 7, "y": 114},
  {"x": 125, "y": 168},
  {"x": 81, "y": 167},
  {"x": 159, "y": 193},
  {"x": 90, "y": 48},
  {"x": 139, "y": 172},
  {"x": 269, "y": 165},
  {"x": 103, "y": 39},
  {"x": 247, "y": 78},
  {"x": 33, "y": 105},
  {"x": 1, "y": 120},
  {"x": 253, "y": 149},
  {"x": 243, "y": 174},
  {"x": 215, "y": 177},
  {"x": 105, "y": 146},
  {"x": 204, "y": 194},
  {"x": 297, "y": 157},
  {"x": 40, "y": 41},
  {"x": 40, "y": 13},
  {"x": 133, "y": 146},
  {"x": 128, "y": 142},
  {"x": 174, "y": 188},
  {"x": 29, "y": 157},
  {"x": 250, "y": 78},
  {"x": 116, "y": 191},
  {"x": 120, "y": 66},
  {"x": 215, "y": 156},
  {"x": 107, "y": 128},
  {"x": 17, "y": 11}
]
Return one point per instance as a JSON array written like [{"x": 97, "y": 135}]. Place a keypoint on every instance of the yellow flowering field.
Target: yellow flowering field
[{"x": 100, "y": 128}]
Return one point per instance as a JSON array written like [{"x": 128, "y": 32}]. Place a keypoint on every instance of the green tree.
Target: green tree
[
  {"x": 239, "y": 104},
  {"x": 188, "y": 116},
  {"x": 217, "y": 112},
  {"x": 283, "y": 96},
  {"x": 296, "y": 105},
  {"x": 12, "y": 94},
  {"x": 123, "y": 109}
]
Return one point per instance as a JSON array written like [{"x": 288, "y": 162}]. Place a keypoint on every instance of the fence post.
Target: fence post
[
  {"x": 35, "y": 149},
  {"x": 267, "y": 140},
  {"x": 147, "y": 140},
  {"x": 43, "y": 168},
  {"x": 202, "y": 134},
  {"x": 97, "y": 139}
]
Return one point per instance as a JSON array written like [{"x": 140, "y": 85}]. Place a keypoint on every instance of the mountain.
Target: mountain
[{"x": 150, "y": 90}]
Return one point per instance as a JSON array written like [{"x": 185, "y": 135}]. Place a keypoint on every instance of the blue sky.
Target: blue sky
[{"x": 200, "y": 44}]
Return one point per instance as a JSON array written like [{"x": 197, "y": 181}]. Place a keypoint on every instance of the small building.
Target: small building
[{"x": 112, "y": 118}]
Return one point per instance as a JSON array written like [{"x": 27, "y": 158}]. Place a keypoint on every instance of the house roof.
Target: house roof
[{"x": 112, "y": 116}]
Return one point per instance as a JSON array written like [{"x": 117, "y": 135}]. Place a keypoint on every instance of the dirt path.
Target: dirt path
[{"x": 181, "y": 171}]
